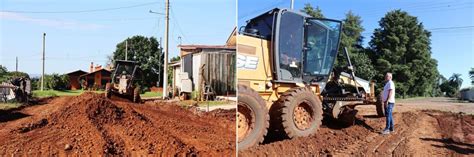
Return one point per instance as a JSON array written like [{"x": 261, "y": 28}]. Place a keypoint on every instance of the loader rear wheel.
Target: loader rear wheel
[
  {"x": 380, "y": 106},
  {"x": 298, "y": 112},
  {"x": 136, "y": 95},
  {"x": 107, "y": 90},
  {"x": 252, "y": 118}
]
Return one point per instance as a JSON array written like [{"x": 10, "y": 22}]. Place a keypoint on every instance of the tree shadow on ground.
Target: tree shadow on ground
[
  {"x": 15, "y": 113},
  {"x": 10, "y": 115},
  {"x": 372, "y": 116},
  {"x": 458, "y": 147}
]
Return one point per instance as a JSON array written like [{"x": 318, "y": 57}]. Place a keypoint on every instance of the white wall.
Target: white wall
[{"x": 196, "y": 66}]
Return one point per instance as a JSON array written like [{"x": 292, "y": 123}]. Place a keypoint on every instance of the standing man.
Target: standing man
[{"x": 388, "y": 99}]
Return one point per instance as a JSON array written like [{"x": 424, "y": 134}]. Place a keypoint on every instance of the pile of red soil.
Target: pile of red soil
[
  {"x": 329, "y": 138},
  {"x": 92, "y": 124},
  {"x": 457, "y": 131}
]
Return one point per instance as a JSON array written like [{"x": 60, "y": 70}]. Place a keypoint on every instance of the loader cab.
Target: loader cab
[
  {"x": 304, "y": 48},
  {"x": 128, "y": 70}
]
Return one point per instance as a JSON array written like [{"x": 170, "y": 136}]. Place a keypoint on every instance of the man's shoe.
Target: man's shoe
[{"x": 385, "y": 132}]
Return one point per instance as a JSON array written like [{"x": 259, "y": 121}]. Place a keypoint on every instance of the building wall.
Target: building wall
[
  {"x": 74, "y": 82},
  {"x": 98, "y": 79},
  {"x": 196, "y": 65},
  {"x": 220, "y": 71},
  {"x": 176, "y": 76}
]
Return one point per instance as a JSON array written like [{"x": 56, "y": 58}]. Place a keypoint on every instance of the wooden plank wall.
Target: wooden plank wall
[{"x": 220, "y": 71}]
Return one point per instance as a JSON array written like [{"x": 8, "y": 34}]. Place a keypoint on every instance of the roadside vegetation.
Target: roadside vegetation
[
  {"x": 7, "y": 106},
  {"x": 404, "y": 52}
]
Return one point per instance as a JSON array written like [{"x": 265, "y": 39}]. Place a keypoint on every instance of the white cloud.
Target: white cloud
[{"x": 61, "y": 24}]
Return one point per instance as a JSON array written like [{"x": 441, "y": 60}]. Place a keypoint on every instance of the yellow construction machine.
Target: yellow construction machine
[{"x": 286, "y": 77}]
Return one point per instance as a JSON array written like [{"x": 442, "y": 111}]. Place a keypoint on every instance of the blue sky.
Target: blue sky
[
  {"x": 453, "y": 48},
  {"x": 73, "y": 40}
]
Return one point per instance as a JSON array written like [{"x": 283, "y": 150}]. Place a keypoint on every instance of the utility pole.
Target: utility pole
[
  {"x": 126, "y": 49},
  {"x": 165, "y": 59},
  {"x": 42, "y": 74},
  {"x": 292, "y": 4},
  {"x": 16, "y": 67},
  {"x": 165, "y": 67}
]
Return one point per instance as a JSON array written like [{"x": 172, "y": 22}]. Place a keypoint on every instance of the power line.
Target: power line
[
  {"x": 444, "y": 28},
  {"x": 80, "y": 11},
  {"x": 177, "y": 24},
  {"x": 445, "y": 6},
  {"x": 269, "y": 6}
]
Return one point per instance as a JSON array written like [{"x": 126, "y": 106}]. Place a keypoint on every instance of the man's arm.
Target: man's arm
[{"x": 390, "y": 92}]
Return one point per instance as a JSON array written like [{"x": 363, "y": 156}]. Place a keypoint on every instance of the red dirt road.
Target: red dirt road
[
  {"x": 90, "y": 124},
  {"x": 418, "y": 133}
]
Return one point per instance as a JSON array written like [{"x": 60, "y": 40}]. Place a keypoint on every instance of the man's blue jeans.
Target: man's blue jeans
[{"x": 388, "y": 114}]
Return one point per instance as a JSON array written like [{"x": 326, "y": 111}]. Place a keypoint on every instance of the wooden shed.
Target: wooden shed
[{"x": 218, "y": 62}]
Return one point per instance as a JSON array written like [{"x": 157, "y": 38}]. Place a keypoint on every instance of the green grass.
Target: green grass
[
  {"x": 213, "y": 103},
  {"x": 411, "y": 98},
  {"x": 150, "y": 94},
  {"x": 6, "y": 106},
  {"x": 50, "y": 93},
  {"x": 204, "y": 103}
]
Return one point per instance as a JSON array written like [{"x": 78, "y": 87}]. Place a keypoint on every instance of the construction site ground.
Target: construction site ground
[
  {"x": 423, "y": 127},
  {"x": 91, "y": 124}
]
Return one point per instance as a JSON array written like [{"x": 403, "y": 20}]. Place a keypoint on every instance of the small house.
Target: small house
[
  {"x": 96, "y": 78},
  {"x": 207, "y": 66},
  {"x": 74, "y": 79}
]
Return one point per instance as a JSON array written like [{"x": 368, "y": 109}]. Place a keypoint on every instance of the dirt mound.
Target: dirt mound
[
  {"x": 92, "y": 124},
  {"x": 457, "y": 133},
  {"x": 416, "y": 134},
  {"x": 223, "y": 113},
  {"x": 329, "y": 139}
]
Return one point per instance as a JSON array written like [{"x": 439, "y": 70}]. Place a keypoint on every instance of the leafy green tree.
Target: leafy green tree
[
  {"x": 314, "y": 12},
  {"x": 402, "y": 46},
  {"x": 147, "y": 51},
  {"x": 6, "y": 76},
  {"x": 3, "y": 70},
  {"x": 53, "y": 82},
  {"x": 351, "y": 38}
]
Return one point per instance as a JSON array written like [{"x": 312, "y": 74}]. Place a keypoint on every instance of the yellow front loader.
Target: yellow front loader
[{"x": 286, "y": 78}]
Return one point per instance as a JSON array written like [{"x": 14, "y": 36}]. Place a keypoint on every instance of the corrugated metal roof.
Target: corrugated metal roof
[{"x": 190, "y": 47}]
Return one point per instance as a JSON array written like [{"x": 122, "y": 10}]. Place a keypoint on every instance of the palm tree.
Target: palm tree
[
  {"x": 456, "y": 80},
  {"x": 471, "y": 75}
]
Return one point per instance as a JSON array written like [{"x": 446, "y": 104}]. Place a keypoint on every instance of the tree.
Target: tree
[
  {"x": 456, "y": 80},
  {"x": 308, "y": 9},
  {"x": 351, "y": 39},
  {"x": 452, "y": 85},
  {"x": 471, "y": 75},
  {"x": 402, "y": 46},
  {"x": 147, "y": 52},
  {"x": 6, "y": 76}
]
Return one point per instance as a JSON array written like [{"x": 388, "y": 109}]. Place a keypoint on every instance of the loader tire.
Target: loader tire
[
  {"x": 252, "y": 118},
  {"x": 108, "y": 90},
  {"x": 136, "y": 95},
  {"x": 379, "y": 106},
  {"x": 298, "y": 112}
]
